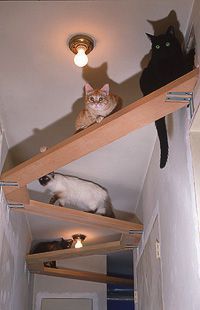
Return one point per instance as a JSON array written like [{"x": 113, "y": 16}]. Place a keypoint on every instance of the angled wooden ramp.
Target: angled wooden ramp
[
  {"x": 35, "y": 261},
  {"x": 97, "y": 249},
  {"x": 77, "y": 217},
  {"x": 83, "y": 275},
  {"x": 136, "y": 115}
]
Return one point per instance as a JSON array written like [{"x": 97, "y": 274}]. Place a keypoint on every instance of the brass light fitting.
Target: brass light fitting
[{"x": 81, "y": 45}]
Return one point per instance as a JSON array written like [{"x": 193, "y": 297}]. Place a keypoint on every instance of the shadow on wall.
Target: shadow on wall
[
  {"x": 160, "y": 26},
  {"x": 128, "y": 91},
  {"x": 63, "y": 128}
]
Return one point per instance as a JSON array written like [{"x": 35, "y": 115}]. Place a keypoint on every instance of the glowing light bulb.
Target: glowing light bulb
[
  {"x": 78, "y": 244},
  {"x": 81, "y": 58}
]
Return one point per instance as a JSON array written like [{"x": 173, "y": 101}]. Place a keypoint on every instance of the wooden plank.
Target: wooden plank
[
  {"x": 19, "y": 195},
  {"x": 97, "y": 249},
  {"x": 75, "y": 216},
  {"x": 83, "y": 275},
  {"x": 136, "y": 115},
  {"x": 36, "y": 267},
  {"x": 130, "y": 240}
]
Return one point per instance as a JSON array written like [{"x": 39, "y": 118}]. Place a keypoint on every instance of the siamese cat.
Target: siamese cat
[{"x": 73, "y": 192}]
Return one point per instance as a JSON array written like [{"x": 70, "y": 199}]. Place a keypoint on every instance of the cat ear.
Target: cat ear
[
  {"x": 52, "y": 174},
  {"x": 150, "y": 36},
  {"x": 88, "y": 88},
  {"x": 171, "y": 31},
  {"x": 105, "y": 89}
]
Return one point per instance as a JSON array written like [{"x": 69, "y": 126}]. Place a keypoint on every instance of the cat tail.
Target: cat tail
[{"x": 162, "y": 135}]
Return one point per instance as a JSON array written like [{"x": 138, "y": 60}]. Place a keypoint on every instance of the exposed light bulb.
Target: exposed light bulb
[
  {"x": 78, "y": 244},
  {"x": 81, "y": 59}
]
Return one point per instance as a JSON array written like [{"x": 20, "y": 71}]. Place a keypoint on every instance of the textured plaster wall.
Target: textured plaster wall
[
  {"x": 14, "y": 244},
  {"x": 195, "y": 128},
  {"x": 170, "y": 193}
]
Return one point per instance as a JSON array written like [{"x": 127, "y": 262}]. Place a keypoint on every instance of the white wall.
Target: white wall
[
  {"x": 52, "y": 287},
  {"x": 195, "y": 127},
  {"x": 14, "y": 244},
  {"x": 170, "y": 193}
]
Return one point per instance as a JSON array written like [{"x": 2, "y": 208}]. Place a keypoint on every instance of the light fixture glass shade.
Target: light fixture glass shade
[
  {"x": 81, "y": 59},
  {"x": 78, "y": 238},
  {"x": 81, "y": 45},
  {"x": 78, "y": 244}
]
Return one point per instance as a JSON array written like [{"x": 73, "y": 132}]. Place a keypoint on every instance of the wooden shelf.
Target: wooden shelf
[
  {"x": 97, "y": 249},
  {"x": 136, "y": 115},
  {"x": 82, "y": 275},
  {"x": 35, "y": 261},
  {"x": 75, "y": 216}
]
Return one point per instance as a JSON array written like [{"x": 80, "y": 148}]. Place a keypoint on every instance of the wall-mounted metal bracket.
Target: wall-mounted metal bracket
[
  {"x": 130, "y": 246},
  {"x": 180, "y": 97},
  {"x": 15, "y": 205},
  {"x": 8, "y": 183},
  {"x": 134, "y": 232}
]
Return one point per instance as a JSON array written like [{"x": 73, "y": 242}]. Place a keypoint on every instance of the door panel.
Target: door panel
[
  {"x": 148, "y": 270},
  {"x": 66, "y": 304}
]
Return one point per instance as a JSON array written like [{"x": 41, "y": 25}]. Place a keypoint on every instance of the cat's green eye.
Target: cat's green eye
[
  {"x": 100, "y": 99},
  {"x": 157, "y": 47},
  {"x": 167, "y": 44},
  {"x": 91, "y": 99}
]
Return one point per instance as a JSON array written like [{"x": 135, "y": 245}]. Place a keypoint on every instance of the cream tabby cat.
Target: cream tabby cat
[{"x": 98, "y": 104}]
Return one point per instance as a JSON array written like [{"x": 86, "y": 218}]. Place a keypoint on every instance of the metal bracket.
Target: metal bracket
[
  {"x": 181, "y": 97},
  {"x": 15, "y": 205},
  {"x": 8, "y": 183},
  {"x": 135, "y": 232},
  {"x": 130, "y": 246}
]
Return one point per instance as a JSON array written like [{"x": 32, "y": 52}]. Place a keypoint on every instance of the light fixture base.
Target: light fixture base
[
  {"x": 82, "y": 40},
  {"x": 79, "y": 236}
]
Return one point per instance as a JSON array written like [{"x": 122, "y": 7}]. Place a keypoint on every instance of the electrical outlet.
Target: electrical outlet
[
  {"x": 157, "y": 249},
  {"x": 135, "y": 297}
]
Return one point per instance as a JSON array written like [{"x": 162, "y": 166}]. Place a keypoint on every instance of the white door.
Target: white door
[
  {"x": 66, "y": 304},
  {"x": 148, "y": 269}
]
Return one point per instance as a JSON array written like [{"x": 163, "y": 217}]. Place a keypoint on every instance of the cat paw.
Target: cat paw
[{"x": 99, "y": 119}]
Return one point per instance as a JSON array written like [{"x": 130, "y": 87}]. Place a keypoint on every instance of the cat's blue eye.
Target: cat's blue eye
[
  {"x": 157, "y": 47},
  {"x": 167, "y": 44}
]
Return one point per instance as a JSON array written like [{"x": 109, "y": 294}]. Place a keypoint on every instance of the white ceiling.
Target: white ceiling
[{"x": 41, "y": 89}]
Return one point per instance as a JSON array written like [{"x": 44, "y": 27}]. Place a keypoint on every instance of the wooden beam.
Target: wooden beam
[
  {"x": 97, "y": 249},
  {"x": 136, "y": 115},
  {"x": 19, "y": 195},
  {"x": 75, "y": 216},
  {"x": 130, "y": 240},
  {"x": 83, "y": 275}
]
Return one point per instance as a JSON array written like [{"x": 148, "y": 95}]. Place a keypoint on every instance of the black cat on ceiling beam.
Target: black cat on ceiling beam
[{"x": 168, "y": 62}]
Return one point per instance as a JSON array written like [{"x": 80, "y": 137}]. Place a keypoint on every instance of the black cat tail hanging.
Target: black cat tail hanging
[{"x": 162, "y": 135}]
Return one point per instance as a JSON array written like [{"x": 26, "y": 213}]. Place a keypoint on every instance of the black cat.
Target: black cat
[
  {"x": 167, "y": 63},
  {"x": 48, "y": 246}
]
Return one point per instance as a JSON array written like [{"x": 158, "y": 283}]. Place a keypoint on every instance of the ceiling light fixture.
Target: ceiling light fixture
[
  {"x": 81, "y": 45},
  {"x": 78, "y": 238}
]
